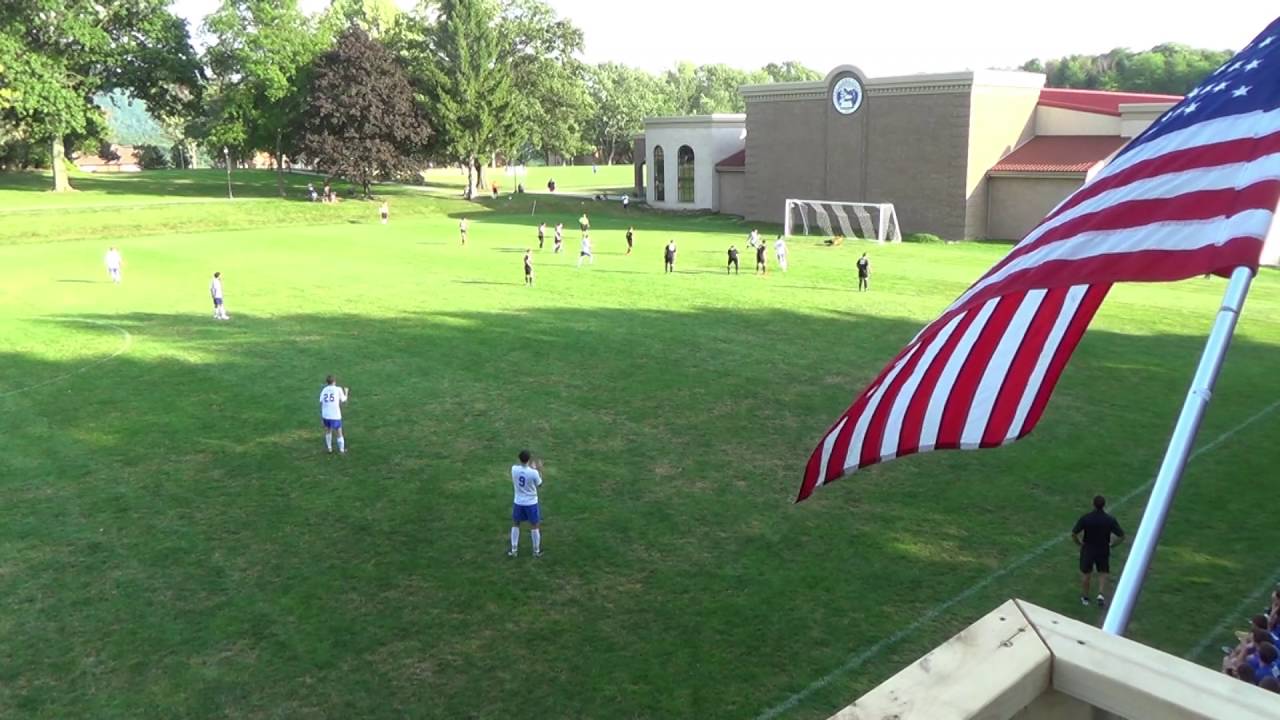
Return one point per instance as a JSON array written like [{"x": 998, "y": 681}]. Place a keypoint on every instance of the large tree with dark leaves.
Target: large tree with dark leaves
[
  {"x": 57, "y": 55},
  {"x": 359, "y": 120}
]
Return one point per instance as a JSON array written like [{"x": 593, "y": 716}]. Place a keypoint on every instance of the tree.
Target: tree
[
  {"x": 360, "y": 120},
  {"x": 459, "y": 64},
  {"x": 375, "y": 17},
  {"x": 790, "y": 71},
  {"x": 622, "y": 97},
  {"x": 151, "y": 157},
  {"x": 1168, "y": 68},
  {"x": 59, "y": 54},
  {"x": 107, "y": 152},
  {"x": 540, "y": 50},
  {"x": 706, "y": 89},
  {"x": 261, "y": 48}
]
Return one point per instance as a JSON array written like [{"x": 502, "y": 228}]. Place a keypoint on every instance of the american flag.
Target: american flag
[{"x": 1195, "y": 193}]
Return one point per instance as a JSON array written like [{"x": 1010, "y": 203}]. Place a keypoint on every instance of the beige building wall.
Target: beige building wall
[
  {"x": 1061, "y": 121},
  {"x": 1002, "y": 116},
  {"x": 1017, "y": 203},
  {"x": 916, "y": 149},
  {"x": 786, "y": 155},
  {"x": 731, "y": 191}
]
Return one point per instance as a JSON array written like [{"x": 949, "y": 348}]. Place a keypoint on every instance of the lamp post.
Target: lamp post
[{"x": 226, "y": 158}]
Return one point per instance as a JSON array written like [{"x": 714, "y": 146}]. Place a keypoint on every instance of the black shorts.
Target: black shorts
[{"x": 1092, "y": 559}]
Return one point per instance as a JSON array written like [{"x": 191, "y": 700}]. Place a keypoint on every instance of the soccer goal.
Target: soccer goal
[{"x": 830, "y": 218}]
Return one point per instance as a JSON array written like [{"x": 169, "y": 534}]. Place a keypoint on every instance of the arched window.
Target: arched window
[
  {"x": 684, "y": 174},
  {"x": 659, "y": 175}
]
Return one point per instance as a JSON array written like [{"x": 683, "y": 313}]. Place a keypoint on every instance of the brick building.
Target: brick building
[{"x": 961, "y": 155}]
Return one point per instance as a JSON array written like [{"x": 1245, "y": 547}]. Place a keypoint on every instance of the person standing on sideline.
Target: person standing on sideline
[
  {"x": 761, "y": 267},
  {"x": 384, "y": 211},
  {"x": 1097, "y": 528},
  {"x": 542, "y": 234},
  {"x": 462, "y": 229},
  {"x": 733, "y": 260},
  {"x": 215, "y": 291},
  {"x": 528, "y": 266},
  {"x": 113, "y": 262},
  {"x": 669, "y": 257},
  {"x": 526, "y": 477},
  {"x": 780, "y": 249},
  {"x": 586, "y": 251},
  {"x": 864, "y": 272},
  {"x": 631, "y": 238},
  {"x": 626, "y": 202},
  {"x": 559, "y": 238},
  {"x": 331, "y": 399}
]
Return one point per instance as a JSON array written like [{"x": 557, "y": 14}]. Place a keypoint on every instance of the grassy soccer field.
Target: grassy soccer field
[{"x": 174, "y": 542}]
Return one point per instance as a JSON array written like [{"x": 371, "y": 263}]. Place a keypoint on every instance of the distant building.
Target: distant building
[
  {"x": 128, "y": 161},
  {"x": 982, "y": 154}
]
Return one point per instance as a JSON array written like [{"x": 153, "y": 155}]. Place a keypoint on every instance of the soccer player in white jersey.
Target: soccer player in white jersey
[
  {"x": 780, "y": 248},
  {"x": 331, "y": 399},
  {"x": 526, "y": 477},
  {"x": 215, "y": 291},
  {"x": 113, "y": 263},
  {"x": 586, "y": 251}
]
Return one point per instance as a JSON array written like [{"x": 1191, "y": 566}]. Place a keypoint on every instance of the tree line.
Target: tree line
[
  {"x": 360, "y": 90},
  {"x": 1169, "y": 68}
]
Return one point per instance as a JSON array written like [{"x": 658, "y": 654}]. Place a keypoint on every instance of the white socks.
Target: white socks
[
  {"x": 515, "y": 538},
  {"x": 537, "y": 540},
  {"x": 342, "y": 444},
  {"x": 328, "y": 441}
]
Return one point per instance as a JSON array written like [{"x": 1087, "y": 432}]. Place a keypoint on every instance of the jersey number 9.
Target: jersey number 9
[{"x": 520, "y": 480}]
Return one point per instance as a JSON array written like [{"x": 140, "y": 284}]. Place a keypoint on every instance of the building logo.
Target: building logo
[{"x": 846, "y": 96}]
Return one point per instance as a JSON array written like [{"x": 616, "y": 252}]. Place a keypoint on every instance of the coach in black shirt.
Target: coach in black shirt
[{"x": 1097, "y": 528}]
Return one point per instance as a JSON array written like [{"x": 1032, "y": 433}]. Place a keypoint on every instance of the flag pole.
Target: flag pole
[{"x": 1175, "y": 457}]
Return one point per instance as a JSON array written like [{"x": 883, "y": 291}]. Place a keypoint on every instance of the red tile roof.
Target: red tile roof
[
  {"x": 736, "y": 160},
  {"x": 1060, "y": 154},
  {"x": 1102, "y": 102}
]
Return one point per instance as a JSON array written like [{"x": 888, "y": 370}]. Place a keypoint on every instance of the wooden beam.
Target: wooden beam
[
  {"x": 1134, "y": 681},
  {"x": 991, "y": 669}
]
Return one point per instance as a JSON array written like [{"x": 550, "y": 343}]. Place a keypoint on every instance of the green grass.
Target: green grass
[
  {"x": 569, "y": 178},
  {"x": 174, "y": 542}
]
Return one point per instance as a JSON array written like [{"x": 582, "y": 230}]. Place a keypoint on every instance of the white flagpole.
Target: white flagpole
[{"x": 1175, "y": 457}]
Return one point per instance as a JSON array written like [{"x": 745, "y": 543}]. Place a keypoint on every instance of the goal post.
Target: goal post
[{"x": 830, "y": 218}]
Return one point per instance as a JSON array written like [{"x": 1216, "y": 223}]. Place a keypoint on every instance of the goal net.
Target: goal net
[{"x": 829, "y": 218}]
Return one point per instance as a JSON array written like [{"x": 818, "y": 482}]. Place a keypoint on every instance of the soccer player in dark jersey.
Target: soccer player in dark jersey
[
  {"x": 542, "y": 234},
  {"x": 864, "y": 272},
  {"x": 631, "y": 238},
  {"x": 669, "y": 257},
  {"x": 733, "y": 260},
  {"x": 528, "y": 266},
  {"x": 761, "y": 268},
  {"x": 1097, "y": 528}
]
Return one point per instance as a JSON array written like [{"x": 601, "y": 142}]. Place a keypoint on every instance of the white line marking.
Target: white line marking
[
  {"x": 854, "y": 661},
  {"x": 1234, "y": 616},
  {"x": 128, "y": 340}
]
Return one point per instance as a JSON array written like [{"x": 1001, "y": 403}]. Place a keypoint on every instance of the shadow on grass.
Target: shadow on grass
[{"x": 172, "y": 513}]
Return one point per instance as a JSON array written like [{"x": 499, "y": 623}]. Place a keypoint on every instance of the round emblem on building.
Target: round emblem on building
[{"x": 846, "y": 95}]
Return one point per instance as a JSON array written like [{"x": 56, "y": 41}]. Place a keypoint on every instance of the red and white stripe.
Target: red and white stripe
[{"x": 1201, "y": 199}]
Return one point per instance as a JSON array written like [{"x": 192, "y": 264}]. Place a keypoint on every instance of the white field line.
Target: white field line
[
  {"x": 856, "y": 660},
  {"x": 1240, "y": 615},
  {"x": 128, "y": 340}
]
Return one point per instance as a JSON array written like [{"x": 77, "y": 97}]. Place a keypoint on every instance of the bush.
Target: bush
[
  {"x": 926, "y": 238},
  {"x": 151, "y": 157}
]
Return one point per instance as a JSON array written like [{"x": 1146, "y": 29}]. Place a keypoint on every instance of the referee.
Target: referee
[{"x": 1096, "y": 527}]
